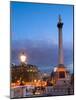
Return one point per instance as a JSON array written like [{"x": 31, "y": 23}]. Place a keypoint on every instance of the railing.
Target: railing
[
  {"x": 59, "y": 91},
  {"x": 21, "y": 91}
]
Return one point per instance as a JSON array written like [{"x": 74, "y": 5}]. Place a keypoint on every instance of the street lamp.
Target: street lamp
[{"x": 23, "y": 58}]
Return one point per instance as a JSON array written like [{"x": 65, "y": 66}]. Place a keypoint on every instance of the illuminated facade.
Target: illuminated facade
[{"x": 24, "y": 73}]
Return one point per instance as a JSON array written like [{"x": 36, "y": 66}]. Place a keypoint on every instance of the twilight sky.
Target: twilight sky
[{"x": 34, "y": 31}]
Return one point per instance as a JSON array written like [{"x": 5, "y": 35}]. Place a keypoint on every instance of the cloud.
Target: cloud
[{"x": 40, "y": 53}]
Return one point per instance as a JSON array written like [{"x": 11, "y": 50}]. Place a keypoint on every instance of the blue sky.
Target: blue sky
[{"x": 34, "y": 31}]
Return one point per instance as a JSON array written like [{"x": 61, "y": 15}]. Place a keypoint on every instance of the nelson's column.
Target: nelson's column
[
  {"x": 60, "y": 51},
  {"x": 61, "y": 70}
]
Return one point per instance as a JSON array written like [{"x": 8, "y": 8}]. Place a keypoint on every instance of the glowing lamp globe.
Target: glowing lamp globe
[{"x": 23, "y": 58}]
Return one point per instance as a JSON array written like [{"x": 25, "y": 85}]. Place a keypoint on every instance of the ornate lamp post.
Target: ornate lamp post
[{"x": 22, "y": 58}]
